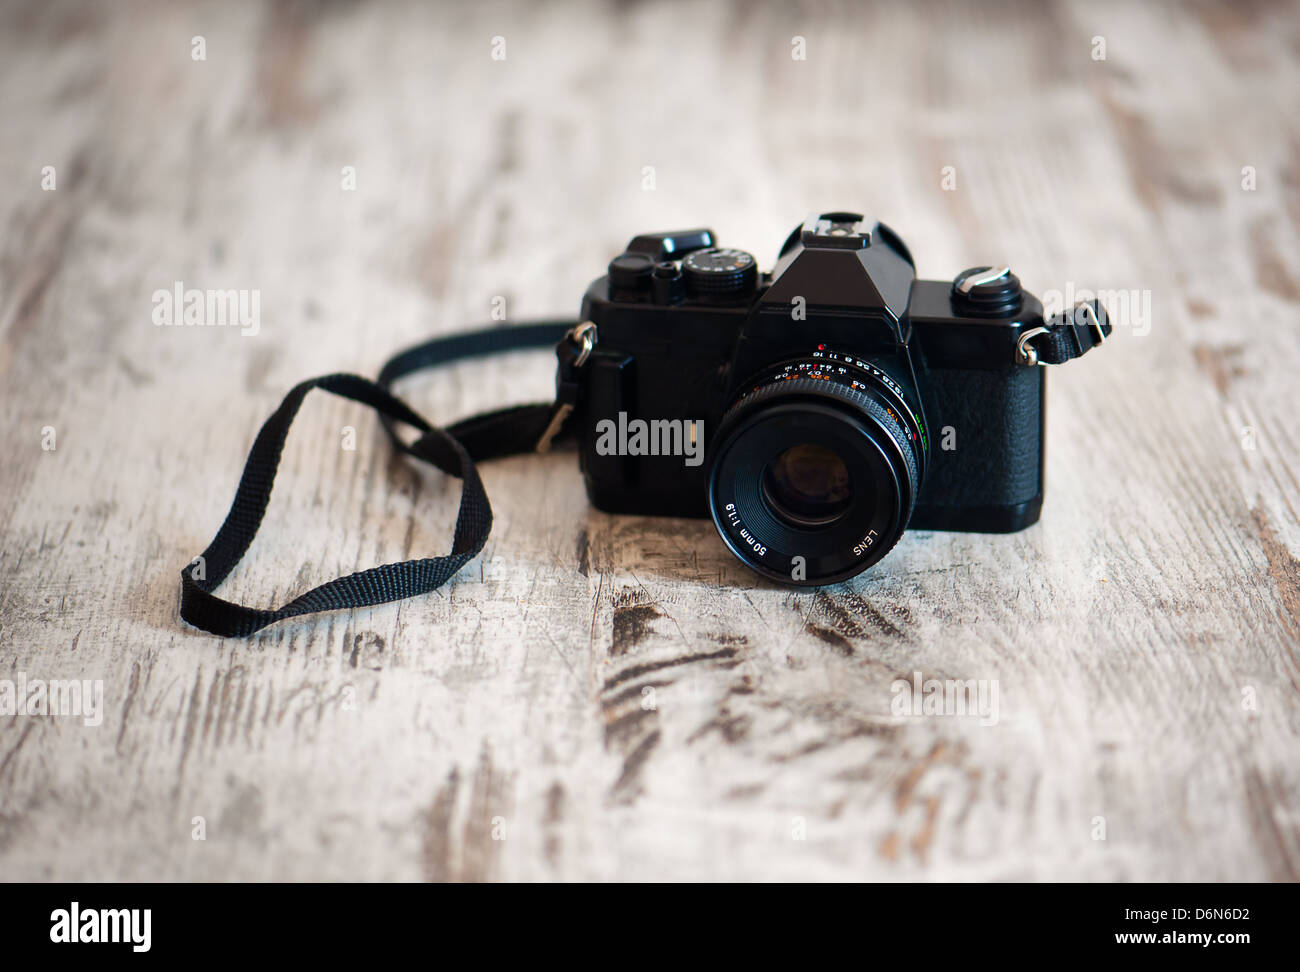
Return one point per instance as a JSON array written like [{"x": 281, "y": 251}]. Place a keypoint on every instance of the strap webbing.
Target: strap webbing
[
  {"x": 503, "y": 432},
  {"x": 1073, "y": 333}
]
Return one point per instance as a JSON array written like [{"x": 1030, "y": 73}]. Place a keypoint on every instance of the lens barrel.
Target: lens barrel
[{"x": 815, "y": 469}]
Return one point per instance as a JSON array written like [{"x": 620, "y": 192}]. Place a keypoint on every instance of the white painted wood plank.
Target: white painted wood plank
[{"x": 616, "y": 696}]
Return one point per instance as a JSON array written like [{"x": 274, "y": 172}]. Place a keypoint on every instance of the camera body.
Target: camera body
[{"x": 816, "y": 410}]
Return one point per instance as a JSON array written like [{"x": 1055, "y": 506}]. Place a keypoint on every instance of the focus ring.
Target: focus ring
[{"x": 828, "y": 389}]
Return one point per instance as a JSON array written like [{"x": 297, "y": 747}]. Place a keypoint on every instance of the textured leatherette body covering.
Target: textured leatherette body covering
[{"x": 993, "y": 423}]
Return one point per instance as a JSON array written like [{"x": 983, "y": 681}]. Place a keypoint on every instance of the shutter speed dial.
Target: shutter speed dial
[{"x": 720, "y": 274}]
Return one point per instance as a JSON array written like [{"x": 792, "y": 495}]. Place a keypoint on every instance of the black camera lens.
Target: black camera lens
[
  {"x": 815, "y": 470},
  {"x": 807, "y": 485}
]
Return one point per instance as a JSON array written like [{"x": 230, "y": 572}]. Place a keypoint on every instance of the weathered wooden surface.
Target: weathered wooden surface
[{"x": 615, "y": 697}]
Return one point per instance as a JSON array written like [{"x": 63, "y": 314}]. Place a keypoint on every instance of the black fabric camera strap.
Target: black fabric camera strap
[
  {"x": 1073, "y": 333},
  {"x": 453, "y": 450}
]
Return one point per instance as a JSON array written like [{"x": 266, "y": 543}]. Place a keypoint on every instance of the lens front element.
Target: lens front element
[{"x": 807, "y": 485}]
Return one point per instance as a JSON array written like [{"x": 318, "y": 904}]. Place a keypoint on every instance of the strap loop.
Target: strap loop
[{"x": 1067, "y": 335}]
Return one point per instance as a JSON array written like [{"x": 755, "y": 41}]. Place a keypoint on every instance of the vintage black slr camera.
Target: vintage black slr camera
[{"x": 817, "y": 410}]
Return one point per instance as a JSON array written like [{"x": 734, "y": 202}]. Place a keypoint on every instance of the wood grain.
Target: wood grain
[{"x": 614, "y": 698}]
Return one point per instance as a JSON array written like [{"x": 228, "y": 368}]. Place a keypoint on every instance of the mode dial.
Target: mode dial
[{"x": 720, "y": 274}]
